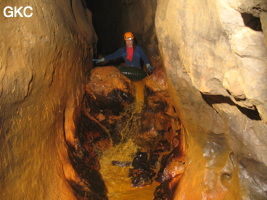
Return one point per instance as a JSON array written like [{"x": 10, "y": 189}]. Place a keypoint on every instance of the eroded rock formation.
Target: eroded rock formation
[
  {"x": 217, "y": 66},
  {"x": 214, "y": 57},
  {"x": 119, "y": 108},
  {"x": 44, "y": 60}
]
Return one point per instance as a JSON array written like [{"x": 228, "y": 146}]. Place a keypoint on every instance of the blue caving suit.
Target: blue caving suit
[{"x": 137, "y": 55}]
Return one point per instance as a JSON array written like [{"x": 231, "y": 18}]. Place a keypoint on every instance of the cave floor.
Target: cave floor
[{"x": 116, "y": 177}]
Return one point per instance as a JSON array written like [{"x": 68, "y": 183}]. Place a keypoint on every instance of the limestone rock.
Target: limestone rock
[
  {"x": 110, "y": 88},
  {"x": 209, "y": 49},
  {"x": 41, "y": 86},
  {"x": 264, "y": 25},
  {"x": 254, "y": 7},
  {"x": 215, "y": 65}
]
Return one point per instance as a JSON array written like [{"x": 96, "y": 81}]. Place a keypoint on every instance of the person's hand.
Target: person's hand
[
  {"x": 150, "y": 68},
  {"x": 98, "y": 60}
]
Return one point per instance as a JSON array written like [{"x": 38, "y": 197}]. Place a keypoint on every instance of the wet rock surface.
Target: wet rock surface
[
  {"x": 141, "y": 174},
  {"x": 218, "y": 77},
  {"x": 218, "y": 86},
  {"x": 109, "y": 89},
  {"x": 154, "y": 126},
  {"x": 44, "y": 60}
]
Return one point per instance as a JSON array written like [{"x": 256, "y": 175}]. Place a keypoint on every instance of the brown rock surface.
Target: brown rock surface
[
  {"x": 215, "y": 63},
  {"x": 104, "y": 80},
  {"x": 41, "y": 86},
  {"x": 217, "y": 68}
]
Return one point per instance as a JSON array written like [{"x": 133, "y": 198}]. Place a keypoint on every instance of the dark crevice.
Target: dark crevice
[
  {"x": 107, "y": 17},
  {"x": 252, "y": 114},
  {"x": 84, "y": 157},
  {"x": 218, "y": 99},
  {"x": 91, "y": 185},
  {"x": 251, "y": 21}
]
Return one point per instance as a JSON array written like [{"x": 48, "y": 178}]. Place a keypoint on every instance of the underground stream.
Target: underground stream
[{"x": 130, "y": 141}]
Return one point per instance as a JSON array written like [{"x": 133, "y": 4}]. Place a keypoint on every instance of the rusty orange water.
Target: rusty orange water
[
  {"x": 139, "y": 94},
  {"x": 116, "y": 178},
  {"x": 136, "y": 108}
]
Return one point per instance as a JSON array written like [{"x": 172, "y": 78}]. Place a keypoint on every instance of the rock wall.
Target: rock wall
[
  {"x": 216, "y": 62},
  {"x": 214, "y": 57},
  {"x": 43, "y": 63}
]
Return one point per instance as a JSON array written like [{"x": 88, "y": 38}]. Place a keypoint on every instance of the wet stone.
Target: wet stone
[
  {"x": 141, "y": 174},
  {"x": 121, "y": 163},
  {"x": 163, "y": 192}
]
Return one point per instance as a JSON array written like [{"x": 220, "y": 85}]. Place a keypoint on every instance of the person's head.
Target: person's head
[{"x": 129, "y": 39}]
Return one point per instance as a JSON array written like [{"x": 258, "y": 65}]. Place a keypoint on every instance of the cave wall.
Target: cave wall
[
  {"x": 215, "y": 58},
  {"x": 215, "y": 64},
  {"x": 44, "y": 60},
  {"x": 217, "y": 67}
]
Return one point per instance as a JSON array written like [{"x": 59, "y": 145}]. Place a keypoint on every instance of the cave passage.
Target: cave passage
[
  {"x": 129, "y": 134},
  {"x": 71, "y": 129},
  {"x": 130, "y": 137}
]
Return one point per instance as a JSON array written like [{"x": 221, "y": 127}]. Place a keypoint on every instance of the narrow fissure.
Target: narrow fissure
[
  {"x": 129, "y": 135},
  {"x": 251, "y": 21},
  {"x": 131, "y": 142},
  {"x": 78, "y": 121},
  {"x": 129, "y": 139}
]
